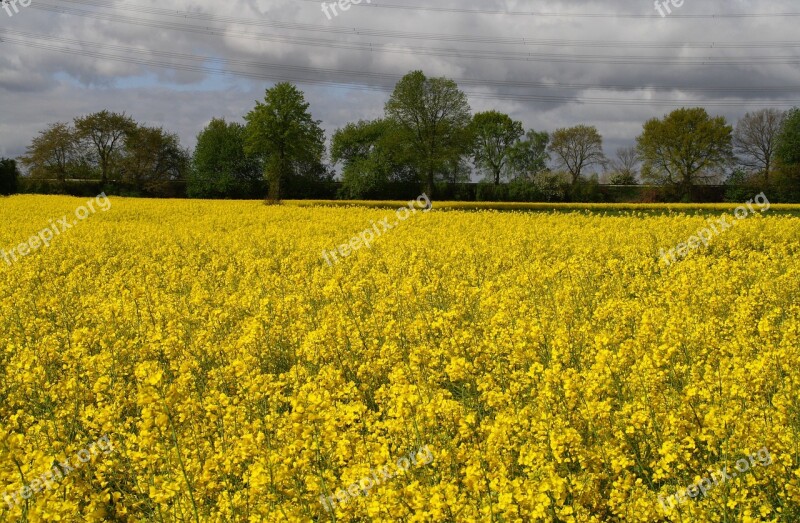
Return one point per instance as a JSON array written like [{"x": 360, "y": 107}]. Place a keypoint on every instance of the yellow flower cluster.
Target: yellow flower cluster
[{"x": 554, "y": 367}]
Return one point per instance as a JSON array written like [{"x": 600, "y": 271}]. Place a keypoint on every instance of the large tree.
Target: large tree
[
  {"x": 788, "y": 144},
  {"x": 372, "y": 155},
  {"x": 220, "y": 166},
  {"x": 788, "y": 157},
  {"x": 494, "y": 135},
  {"x": 529, "y": 156},
  {"x": 282, "y": 133},
  {"x": 153, "y": 157},
  {"x": 576, "y": 149},
  {"x": 625, "y": 167},
  {"x": 55, "y": 154},
  {"x": 432, "y": 114},
  {"x": 685, "y": 148},
  {"x": 755, "y": 140},
  {"x": 9, "y": 176},
  {"x": 106, "y": 131}
]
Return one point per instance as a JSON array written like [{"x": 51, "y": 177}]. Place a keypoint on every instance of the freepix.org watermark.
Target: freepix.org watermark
[
  {"x": 341, "y": 5},
  {"x": 365, "y": 484},
  {"x": 663, "y": 6},
  {"x": 367, "y": 236},
  {"x": 8, "y": 5},
  {"x": 58, "y": 472},
  {"x": 46, "y": 235},
  {"x": 705, "y": 235},
  {"x": 762, "y": 457}
]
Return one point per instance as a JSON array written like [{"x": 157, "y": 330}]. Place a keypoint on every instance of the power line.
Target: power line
[
  {"x": 381, "y": 5},
  {"x": 394, "y": 78},
  {"x": 278, "y": 76},
  {"x": 410, "y": 35},
  {"x": 429, "y": 51}
]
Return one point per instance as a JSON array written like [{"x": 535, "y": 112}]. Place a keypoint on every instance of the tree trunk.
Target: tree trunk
[
  {"x": 273, "y": 173},
  {"x": 429, "y": 183},
  {"x": 687, "y": 189}
]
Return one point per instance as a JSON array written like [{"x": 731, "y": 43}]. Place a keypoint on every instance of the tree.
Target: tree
[
  {"x": 494, "y": 135},
  {"x": 55, "y": 154},
  {"x": 529, "y": 156},
  {"x": 577, "y": 148},
  {"x": 309, "y": 179},
  {"x": 787, "y": 182},
  {"x": 432, "y": 115},
  {"x": 372, "y": 157},
  {"x": 283, "y": 135},
  {"x": 625, "y": 166},
  {"x": 220, "y": 166},
  {"x": 458, "y": 170},
  {"x": 755, "y": 140},
  {"x": 685, "y": 148},
  {"x": 9, "y": 177},
  {"x": 788, "y": 143},
  {"x": 106, "y": 131},
  {"x": 153, "y": 157}
]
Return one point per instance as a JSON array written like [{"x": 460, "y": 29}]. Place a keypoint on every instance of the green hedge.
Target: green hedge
[{"x": 584, "y": 192}]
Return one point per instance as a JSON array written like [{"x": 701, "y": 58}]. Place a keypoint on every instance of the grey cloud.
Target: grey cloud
[{"x": 40, "y": 86}]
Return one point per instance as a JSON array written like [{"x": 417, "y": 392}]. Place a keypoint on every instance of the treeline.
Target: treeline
[
  {"x": 110, "y": 148},
  {"x": 428, "y": 138}
]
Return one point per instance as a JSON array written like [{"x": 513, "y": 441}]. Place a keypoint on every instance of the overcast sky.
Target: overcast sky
[{"x": 612, "y": 64}]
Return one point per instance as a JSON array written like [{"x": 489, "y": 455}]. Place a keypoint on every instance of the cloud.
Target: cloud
[{"x": 576, "y": 62}]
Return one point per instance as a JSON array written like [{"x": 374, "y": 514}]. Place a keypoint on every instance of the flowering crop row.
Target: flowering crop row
[{"x": 555, "y": 368}]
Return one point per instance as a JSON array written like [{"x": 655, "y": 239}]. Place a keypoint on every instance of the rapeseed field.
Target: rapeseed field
[{"x": 200, "y": 361}]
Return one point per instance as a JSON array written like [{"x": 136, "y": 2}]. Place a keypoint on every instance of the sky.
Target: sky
[{"x": 613, "y": 64}]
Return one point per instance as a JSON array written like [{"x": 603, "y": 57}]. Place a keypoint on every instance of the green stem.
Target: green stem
[{"x": 183, "y": 468}]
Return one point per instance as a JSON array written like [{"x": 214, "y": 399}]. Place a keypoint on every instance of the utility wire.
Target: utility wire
[
  {"x": 139, "y": 60},
  {"x": 409, "y": 35},
  {"x": 428, "y": 51},
  {"x": 392, "y": 79},
  {"x": 674, "y": 15}
]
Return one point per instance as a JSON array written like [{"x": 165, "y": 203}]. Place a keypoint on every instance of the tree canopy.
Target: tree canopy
[
  {"x": 152, "y": 158},
  {"x": 283, "y": 135},
  {"x": 494, "y": 136},
  {"x": 108, "y": 147},
  {"x": 788, "y": 146},
  {"x": 220, "y": 166},
  {"x": 57, "y": 153},
  {"x": 432, "y": 115},
  {"x": 106, "y": 132},
  {"x": 426, "y": 140},
  {"x": 625, "y": 166},
  {"x": 577, "y": 148},
  {"x": 372, "y": 155},
  {"x": 9, "y": 176},
  {"x": 755, "y": 140},
  {"x": 685, "y": 148},
  {"x": 529, "y": 156}
]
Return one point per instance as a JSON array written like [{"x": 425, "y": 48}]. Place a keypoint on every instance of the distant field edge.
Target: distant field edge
[{"x": 565, "y": 207}]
